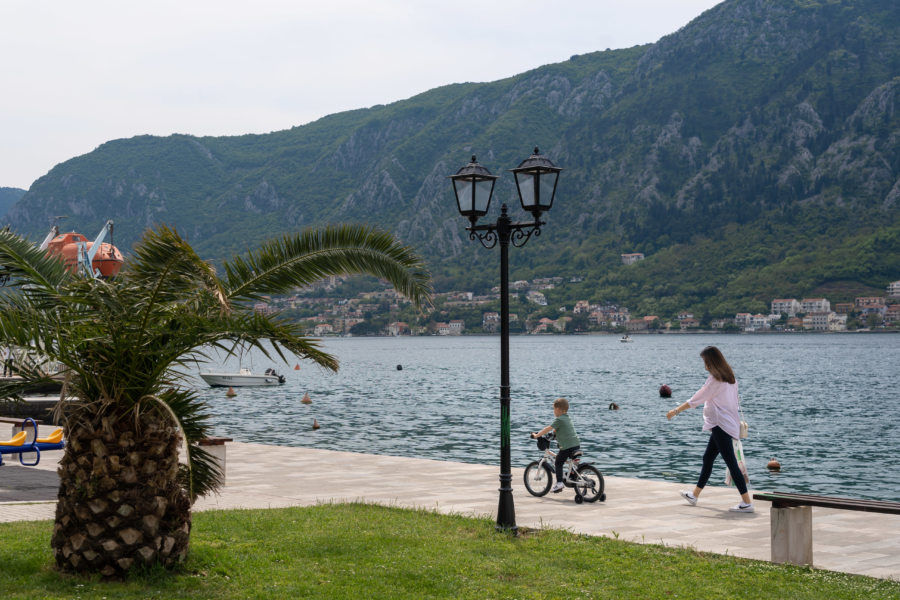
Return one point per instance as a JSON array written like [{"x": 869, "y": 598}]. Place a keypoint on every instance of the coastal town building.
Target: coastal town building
[
  {"x": 869, "y": 302},
  {"x": 457, "y": 326},
  {"x": 893, "y": 289},
  {"x": 398, "y": 328},
  {"x": 878, "y": 312},
  {"x": 759, "y": 321},
  {"x": 742, "y": 320},
  {"x": 636, "y": 325},
  {"x": 837, "y": 322},
  {"x": 537, "y": 298},
  {"x": 629, "y": 259},
  {"x": 582, "y": 306},
  {"x": 490, "y": 322},
  {"x": 323, "y": 329},
  {"x": 892, "y": 314},
  {"x": 547, "y": 325},
  {"x": 785, "y": 306},
  {"x": 844, "y": 308},
  {"x": 817, "y": 321},
  {"x": 809, "y": 305}
]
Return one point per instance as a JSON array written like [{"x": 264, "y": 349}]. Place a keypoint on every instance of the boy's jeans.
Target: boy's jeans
[{"x": 561, "y": 458}]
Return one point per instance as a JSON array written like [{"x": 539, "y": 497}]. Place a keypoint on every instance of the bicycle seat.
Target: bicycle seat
[{"x": 577, "y": 454}]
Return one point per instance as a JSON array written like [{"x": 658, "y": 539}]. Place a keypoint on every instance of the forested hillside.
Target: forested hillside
[
  {"x": 754, "y": 153},
  {"x": 8, "y": 197}
]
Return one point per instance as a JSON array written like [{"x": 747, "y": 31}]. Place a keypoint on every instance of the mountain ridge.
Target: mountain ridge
[{"x": 762, "y": 131}]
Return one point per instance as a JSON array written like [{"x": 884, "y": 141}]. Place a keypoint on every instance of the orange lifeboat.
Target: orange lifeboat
[{"x": 108, "y": 260}]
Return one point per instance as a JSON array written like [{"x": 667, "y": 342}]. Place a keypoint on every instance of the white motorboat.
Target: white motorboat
[
  {"x": 243, "y": 378},
  {"x": 625, "y": 339}
]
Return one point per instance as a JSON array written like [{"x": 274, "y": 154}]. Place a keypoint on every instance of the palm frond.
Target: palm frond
[
  {"x": 167, "y": 266},
  {"x": 203, "y": 475},
  {"x": 25, "y": 264},
  {"x": 299, "y": 260}
]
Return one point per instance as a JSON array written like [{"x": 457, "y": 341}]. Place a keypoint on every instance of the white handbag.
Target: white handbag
[{"x": 744, "y": 427}]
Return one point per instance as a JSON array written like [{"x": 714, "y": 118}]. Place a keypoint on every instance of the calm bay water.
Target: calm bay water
[{"x": 825, "y": 405}]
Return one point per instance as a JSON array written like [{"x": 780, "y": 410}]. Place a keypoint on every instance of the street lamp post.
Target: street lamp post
[{"x": 473, "y": 186}]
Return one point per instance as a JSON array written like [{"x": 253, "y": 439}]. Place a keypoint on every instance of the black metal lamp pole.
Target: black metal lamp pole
[{"x": 473, "y": 186}]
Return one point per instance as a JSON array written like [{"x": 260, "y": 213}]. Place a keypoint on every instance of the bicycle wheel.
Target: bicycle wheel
[
  {"x": 590, "y": 483},
  {"x": 538, "y": 478}
]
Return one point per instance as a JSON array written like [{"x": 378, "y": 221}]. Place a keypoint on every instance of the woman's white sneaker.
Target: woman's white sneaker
[
  {"x": 691, "y": 499},
  {"x": 741, "y": 507}
]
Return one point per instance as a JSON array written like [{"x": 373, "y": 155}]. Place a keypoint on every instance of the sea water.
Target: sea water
[{"x": 826, "y": 406}]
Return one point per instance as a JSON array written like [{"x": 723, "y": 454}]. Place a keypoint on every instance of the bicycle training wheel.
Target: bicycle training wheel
[
  {"x": 590, "y": 483},
  {"x": 538, "y": 479}
]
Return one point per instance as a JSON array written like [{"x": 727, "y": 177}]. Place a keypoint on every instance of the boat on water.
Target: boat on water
[
  {"x": 243, "y": 378},
  {"x": 625, "y": 339}
]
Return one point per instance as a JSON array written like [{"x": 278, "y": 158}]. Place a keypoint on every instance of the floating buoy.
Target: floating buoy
[
  {"x": 231, "y": 393},
  {"x": 399, "y": 367},
  {"x": 613, "y": 406},
  {"x": 774, "y": 465},
  {"x": 306, "y": 399},
  {"x": 665, "y": 391},
  {"x": 315, "y": 424},
  {"x": 297, "y": 367}
]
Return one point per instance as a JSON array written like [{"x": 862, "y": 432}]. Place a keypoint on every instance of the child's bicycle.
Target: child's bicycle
[{"x": 586, "y": 479}]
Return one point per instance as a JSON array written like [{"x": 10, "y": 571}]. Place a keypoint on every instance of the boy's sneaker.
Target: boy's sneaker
[
  {"x": 741, "y": 507},
  {"x": 560, "y": 486},
  {"x": 691, "y": 499}
]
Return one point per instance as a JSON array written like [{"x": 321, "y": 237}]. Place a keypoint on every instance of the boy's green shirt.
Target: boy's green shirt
[{"x": 565, "y": 432}]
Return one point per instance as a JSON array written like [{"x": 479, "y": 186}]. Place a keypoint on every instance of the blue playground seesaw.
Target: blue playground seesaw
[{"x": 18, "y": 445}]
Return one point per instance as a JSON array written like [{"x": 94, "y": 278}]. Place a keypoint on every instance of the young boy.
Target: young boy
[{"x": 565, "y": 436}]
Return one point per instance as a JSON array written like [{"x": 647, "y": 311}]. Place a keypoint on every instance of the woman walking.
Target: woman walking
[{"x": 719, "y": 396}]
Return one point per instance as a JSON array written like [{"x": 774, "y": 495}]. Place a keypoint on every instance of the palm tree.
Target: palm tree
[{"x": 124, "y": 499}]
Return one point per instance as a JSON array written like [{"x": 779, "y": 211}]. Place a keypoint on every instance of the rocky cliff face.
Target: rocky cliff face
[{"x": 756, "y": 106}]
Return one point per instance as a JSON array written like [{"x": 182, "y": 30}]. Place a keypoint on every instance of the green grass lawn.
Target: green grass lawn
[{"x": 362, "y": 551}]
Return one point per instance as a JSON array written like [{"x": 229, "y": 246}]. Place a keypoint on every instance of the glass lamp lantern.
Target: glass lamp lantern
[
  {"x": 473, "y": 186},
  {"x": 536, "y": 179}
]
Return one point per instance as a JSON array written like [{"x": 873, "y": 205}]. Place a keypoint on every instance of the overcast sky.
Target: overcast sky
[{"x": 76, "y": 74}]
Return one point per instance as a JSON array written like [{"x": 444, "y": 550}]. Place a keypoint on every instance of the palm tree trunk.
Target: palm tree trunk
[{"x": 120, "y": 501}]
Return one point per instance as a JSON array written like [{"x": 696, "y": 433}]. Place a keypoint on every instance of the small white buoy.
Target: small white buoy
[{"x": 231, "y": 393}]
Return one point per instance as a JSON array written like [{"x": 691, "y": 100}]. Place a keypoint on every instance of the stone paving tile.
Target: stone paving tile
[{"x": 261, "y": 476}]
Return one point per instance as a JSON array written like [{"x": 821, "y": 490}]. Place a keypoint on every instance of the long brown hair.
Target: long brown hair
[{"x": 716, "y": 364}]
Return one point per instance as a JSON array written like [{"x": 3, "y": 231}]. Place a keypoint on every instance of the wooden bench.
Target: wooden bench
[
  {"x": 216, "y": 447},
  {"x": 791, "y": 521}
]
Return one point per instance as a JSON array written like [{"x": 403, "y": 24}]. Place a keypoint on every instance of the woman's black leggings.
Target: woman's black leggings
[{"x": 720, "y": 443}]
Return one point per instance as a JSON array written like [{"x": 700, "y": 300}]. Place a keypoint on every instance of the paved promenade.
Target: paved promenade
[{"x": 260, "y": 476}]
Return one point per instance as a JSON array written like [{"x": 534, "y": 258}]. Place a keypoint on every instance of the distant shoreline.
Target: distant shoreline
[{"x": 630, "y": 333}]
